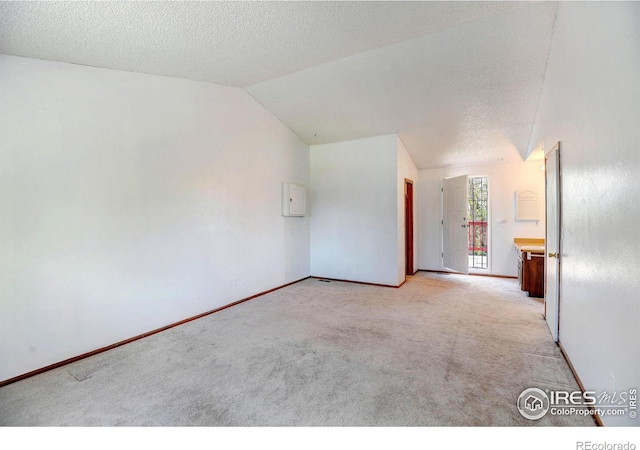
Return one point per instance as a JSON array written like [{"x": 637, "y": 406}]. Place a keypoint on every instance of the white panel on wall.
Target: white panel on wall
[
  {"x": 527, "y": 207},
  {"x": 294, "y": 199}
]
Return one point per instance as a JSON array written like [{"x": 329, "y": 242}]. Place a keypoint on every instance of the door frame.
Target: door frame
[
  {"x": 408, "y": 228},
  {"x": 557, "y": 260}
]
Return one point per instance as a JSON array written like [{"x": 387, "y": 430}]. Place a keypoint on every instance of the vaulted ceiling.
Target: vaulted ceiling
[{"x": 458, "y": 81}]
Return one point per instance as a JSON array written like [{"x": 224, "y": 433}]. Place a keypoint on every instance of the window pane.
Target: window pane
[{"x": 478, "y": 225}]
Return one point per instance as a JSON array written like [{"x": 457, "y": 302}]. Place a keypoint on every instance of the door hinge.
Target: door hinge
[
  {"x": 442, "y": 222},
  {"x": 443, "y": 255}
]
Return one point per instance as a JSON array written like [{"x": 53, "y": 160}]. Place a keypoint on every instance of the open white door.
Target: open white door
[
  {"x": 553, "y": 241},
  {"x": 455, "y": 238}
]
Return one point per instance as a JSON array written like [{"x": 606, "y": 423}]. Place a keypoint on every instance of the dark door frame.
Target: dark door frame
[{"x": 408, "y": 227}]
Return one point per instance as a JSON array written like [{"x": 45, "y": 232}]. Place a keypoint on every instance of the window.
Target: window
[{"x": 478, "y": 224}]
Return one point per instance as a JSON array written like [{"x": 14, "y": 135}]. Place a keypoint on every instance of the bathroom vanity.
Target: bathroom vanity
[{"x": 530, "y": 265}]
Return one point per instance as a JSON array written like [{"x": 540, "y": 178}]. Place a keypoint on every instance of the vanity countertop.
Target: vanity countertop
[{"x": 533, "y": 245}]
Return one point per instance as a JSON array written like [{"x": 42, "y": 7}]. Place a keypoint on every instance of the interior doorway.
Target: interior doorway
[{"x": 408, "y": 227}]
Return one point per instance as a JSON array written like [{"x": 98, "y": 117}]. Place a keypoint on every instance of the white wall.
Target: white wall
[
  {"x": 129, "y": 202},
  {"x": 591, "y": 103},
  {"x": 504, "y": 180},
  {"x": 406, "y": 170},
  {"x": 354, "y": 221}
]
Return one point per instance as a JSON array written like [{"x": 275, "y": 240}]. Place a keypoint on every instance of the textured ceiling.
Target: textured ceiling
[
  {"x": 459, "y": 81},
  {"x": 464, "y": 95}
]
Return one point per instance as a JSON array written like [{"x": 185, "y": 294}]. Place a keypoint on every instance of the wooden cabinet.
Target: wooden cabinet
[
  {"x": 531, "y": 272},
  {"x": 530, "y": 265}
]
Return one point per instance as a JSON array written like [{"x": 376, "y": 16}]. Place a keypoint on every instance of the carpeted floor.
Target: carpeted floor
[{"x": 443, "y": 350}]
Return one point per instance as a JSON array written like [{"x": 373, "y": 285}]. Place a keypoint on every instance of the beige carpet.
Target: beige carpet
[{"x": 446, "y": 350}]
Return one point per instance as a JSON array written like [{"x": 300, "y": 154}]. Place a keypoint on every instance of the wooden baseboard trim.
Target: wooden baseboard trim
[
  {"x": 595, "y": 415},
  {"x": 360, "y": 282},
  {"x": 510, "y": 277},
  {"x": 472, "y": 274},
  {"x": 445, "y": 272},
  {"x": 135, "y": 338}
]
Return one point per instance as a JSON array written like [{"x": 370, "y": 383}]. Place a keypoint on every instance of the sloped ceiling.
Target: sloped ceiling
[{"x": 458, "y": 81}]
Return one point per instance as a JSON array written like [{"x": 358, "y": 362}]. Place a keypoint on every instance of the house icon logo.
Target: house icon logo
[{"x": 533, "y": 403}]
